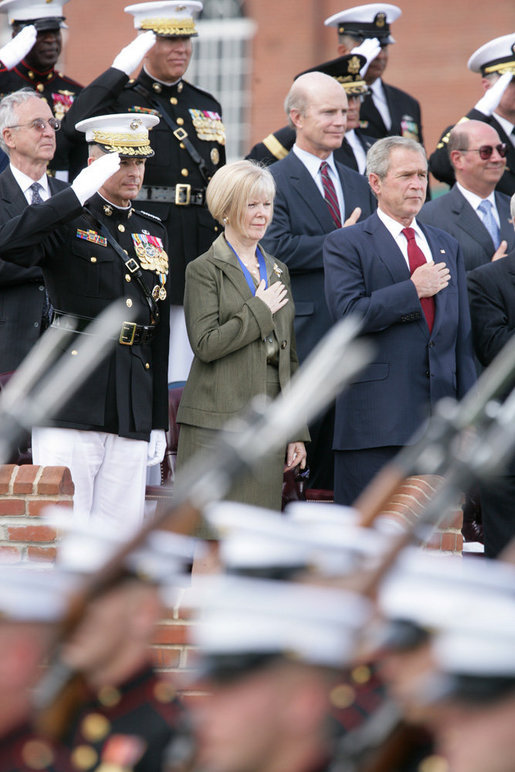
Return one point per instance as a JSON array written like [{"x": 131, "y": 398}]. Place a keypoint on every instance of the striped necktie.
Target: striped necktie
[{"x": 330, "y": 194}]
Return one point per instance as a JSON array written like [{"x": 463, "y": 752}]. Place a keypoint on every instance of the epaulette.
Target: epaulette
[
  {"x": 148, "y": 214},
  {"x": 71, "y": 81}
]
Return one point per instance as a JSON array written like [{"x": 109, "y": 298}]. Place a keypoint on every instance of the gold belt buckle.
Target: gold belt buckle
[
  {"x": 127, "y": 333},
  {"x": 180, "y": 134},
  {"x": 182, "y": 194}
]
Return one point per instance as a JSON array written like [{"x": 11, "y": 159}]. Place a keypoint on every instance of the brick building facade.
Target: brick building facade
[{"x": 434, "y": 42}]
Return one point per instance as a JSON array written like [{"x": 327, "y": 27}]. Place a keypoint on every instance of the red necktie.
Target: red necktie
[
  {"x": 330, "y": 194},
  {"x": 416, "y": 257}
]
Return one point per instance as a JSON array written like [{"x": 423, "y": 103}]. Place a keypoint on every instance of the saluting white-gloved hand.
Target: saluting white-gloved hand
[
  {"x": 492, "y": 96},
  {"x": 156, "y": 447},
  {"x": 130, "y": 56},
  {"x": 93, "y": 177},
  {"x": 369, "y": 49},
  {"x": 14, "y": 51}
]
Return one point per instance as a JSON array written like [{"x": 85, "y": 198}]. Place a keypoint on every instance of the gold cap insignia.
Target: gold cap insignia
[
  {"x": 380, "y": 20},
  {"x": 353, "y": 65}
]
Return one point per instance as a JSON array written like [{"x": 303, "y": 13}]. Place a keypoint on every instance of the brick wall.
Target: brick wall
[{"x": 26, "y": 490}]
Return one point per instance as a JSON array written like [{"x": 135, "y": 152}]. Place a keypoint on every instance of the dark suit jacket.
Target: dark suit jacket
[
  {"x": 492, "y": 306},
  {"x": 366, "y": 274},
  {"x": 440, "y": 165},
  {"x": 276, "y": 146},
  {"x": 22, "y": 289},
  {"x": 227, "y": 326},
  {"x": 296, "y": 235},
  {"x": 404, "y": 111},
  {"x": 453, "y": 214}
]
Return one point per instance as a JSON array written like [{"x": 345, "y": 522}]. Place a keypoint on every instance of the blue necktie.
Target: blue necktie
[{"x": 485, "y": 207}]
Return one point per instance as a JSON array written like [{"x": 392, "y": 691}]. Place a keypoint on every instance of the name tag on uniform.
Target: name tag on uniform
[{"x": 92, "y": 236}]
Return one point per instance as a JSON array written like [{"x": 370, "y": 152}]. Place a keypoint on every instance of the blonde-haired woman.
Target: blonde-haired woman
[{"x": 239, "y": 315}]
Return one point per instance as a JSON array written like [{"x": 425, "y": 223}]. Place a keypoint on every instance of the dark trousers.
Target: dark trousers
[
  {"x": 320, "y": 453},
  {"x": 498, "y": 511},
  {"x": 354, "y": 469}
]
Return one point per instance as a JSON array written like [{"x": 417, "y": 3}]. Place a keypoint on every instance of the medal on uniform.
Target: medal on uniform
[
  {"x": 92, "y": 236},
  {"x": 208, "y": 125},
  {"x": 150, "y": 252}
]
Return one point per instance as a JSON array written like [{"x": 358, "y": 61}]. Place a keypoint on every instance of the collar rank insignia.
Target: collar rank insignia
[{"x": 92, "y": 236}]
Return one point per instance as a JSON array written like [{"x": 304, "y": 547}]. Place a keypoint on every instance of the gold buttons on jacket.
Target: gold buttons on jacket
[
  {"x": 95, "y": 726},
  {"x": 121, "y": 228},
  {"x": 147, "y": 366},
  {"x": 157, "y": 87},
  {"x": 184, "y": 172},
  {"x": 109, "y": 696},
  {"x": 284, "y": 343},
  {"x": 180, "y": 121},
  {"x": 40, "y": 87},
  {"x": 173, "y": 101},
  {"x": 342, "y": 696},
  {"x": 84, "y": 757},
  {"x": 93, "y": 259},
  {"x": 128, "y": 303},
  {"x": 127, "y": 277}
]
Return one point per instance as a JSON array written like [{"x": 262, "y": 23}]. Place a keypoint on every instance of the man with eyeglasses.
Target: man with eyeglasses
[
  {"x": 495, "y": 61},
  {"x": 474, "y": 212},
  {"x": 28, "y": 137}
]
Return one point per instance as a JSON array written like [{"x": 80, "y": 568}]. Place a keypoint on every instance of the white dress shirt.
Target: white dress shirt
[
  {"x": 358, "y": 150},
  {"x": 379, "y": 99},
  {"x": 396, "y": 228},
  {"x": 312, "y": 164},
  {"x": 25, "y": 182},
  {"x": 474, "y": 201}
]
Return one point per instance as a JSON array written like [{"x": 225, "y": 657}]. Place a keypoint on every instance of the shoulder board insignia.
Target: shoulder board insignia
[
  {"x": 92, "y": 236},
  {"x": 148, "y": 214}
]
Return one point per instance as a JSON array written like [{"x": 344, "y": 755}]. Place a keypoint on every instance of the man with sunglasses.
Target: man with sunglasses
[
  {"x": 495, "y": 61},
  {"x": 28, "y": 136},
  {"x": 474, "y": 212}
]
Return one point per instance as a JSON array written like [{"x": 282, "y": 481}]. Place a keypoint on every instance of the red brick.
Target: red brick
[
  {"x": 166, "y": 658},
  {"x": 42, "y": 553},
  {"x": 32, "y": 533},
  {"x": 6, "y": 475},
  {"x": 10, "y": 554},
  {"x": 459, "y": 543},
  {"x": 35, "y": 507},
  {"x": 448, "y": 542},
  {"x": 175, "y": 635},
  {"x": 55, "y": 479},
  {"x": 12, "y": 507},
  {"x": 25, "y": 479}
]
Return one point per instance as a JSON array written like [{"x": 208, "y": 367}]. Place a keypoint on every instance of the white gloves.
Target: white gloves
[
  {"x": 369, "y": 49},
  {"x": 14, "y": 51},
  {"x": 156, "y": 447},
  {"x": 130, "y": 56},
  {"x": 491, "y": 98},
  {"x": 93, "y": 177}
]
